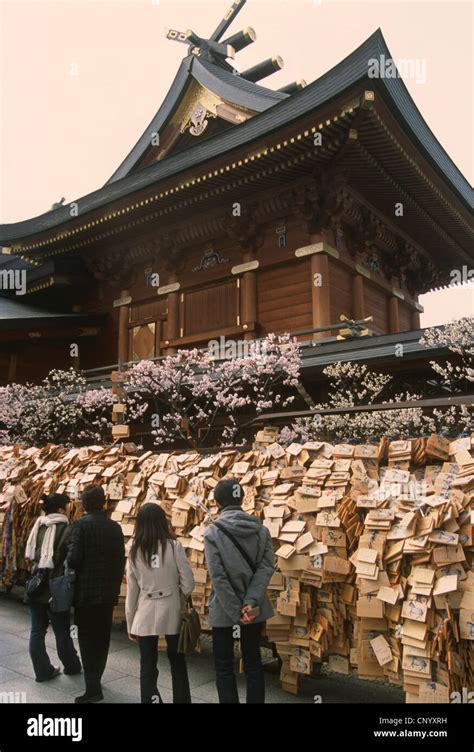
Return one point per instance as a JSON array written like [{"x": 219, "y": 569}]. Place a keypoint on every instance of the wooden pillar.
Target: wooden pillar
[
  {"x": 123, "y": 330},
  {"x": 158, "y": 337},
  {"x": 358, "y": 308},
  {"x": 12, "y": 364},
  {"x": 415, "y": 320},
  {"x": 172, "y": 321},
  {"x": 415, "y": 315},
  {"x": 393, "y": 317},
  {"x": 248, "y": 301},
  {"x": 320, "y": 292}
]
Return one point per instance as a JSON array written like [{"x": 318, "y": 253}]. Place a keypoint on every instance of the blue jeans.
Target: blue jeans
[{"x": 41, "y": 616}]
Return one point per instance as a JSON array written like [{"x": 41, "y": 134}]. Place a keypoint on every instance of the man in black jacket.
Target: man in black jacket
[{"x": 97, "y": 555}]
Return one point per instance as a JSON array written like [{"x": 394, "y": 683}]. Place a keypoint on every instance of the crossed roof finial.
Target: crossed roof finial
[{"x": 213, "y": 46}]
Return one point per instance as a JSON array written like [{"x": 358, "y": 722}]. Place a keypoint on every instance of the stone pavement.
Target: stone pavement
[{"x": 121, "y": 678}]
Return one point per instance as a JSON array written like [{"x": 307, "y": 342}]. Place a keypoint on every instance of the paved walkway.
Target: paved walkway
[{"x": 121, "y": 678}]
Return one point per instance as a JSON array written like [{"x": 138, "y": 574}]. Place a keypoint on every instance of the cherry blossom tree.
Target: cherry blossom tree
[
  {"x": 59, "y": 410},
  {"x": 458, "y": 336},
  {"x": 352, "y": 384},
  {"x": 191, "y": 396},
  {"x": 194, "y": 394}
]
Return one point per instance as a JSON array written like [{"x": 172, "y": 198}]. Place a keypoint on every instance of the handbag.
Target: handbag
[
  {"x": 36, "y": 584},
  {"x": 190, "y": 627},
  {"x": 62, "y": 591}
]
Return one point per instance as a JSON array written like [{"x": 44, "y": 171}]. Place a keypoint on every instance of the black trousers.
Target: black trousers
[
  {"x": 223, "y": 647},
  {"x": 149, "y": 670},
  {"x": 94, "y": 625}
]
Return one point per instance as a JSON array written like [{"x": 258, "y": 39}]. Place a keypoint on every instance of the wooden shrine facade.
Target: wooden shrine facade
[{"x": 286, "y": 211}]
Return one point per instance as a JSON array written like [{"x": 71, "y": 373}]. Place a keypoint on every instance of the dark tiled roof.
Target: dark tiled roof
[
  {"x": 234, "y": 88},
  {"x": 380, "y": 347},
  {"x": 214, "y": 77},
  {"x": 14, "y": 314},
  {"x": 12, "y": 262},
  {"x": 350, "y": 71}
]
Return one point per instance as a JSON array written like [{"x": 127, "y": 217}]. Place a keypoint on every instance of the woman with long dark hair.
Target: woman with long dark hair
[
  {"x": 158, "y": 577},
  {"x": 47, "y": 548}
]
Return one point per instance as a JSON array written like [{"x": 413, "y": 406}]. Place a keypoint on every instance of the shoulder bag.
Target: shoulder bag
[
  {"x": 190, "y": 628},
  {"x": 62, "y": 591}
]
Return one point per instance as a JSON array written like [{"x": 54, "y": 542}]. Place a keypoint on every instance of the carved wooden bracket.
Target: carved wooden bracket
[{"x": 246, "y": 230}]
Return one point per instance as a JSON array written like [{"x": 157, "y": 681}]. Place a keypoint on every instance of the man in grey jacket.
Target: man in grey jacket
[{"x": 239, "y": 557}]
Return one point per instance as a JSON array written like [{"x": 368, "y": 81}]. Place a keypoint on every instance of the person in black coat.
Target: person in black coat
[
  {"x": 97, "y": 555},
  {"x": 47, "y": 548}
]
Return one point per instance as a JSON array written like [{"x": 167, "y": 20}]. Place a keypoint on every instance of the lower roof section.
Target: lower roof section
[
  {"x": 376, "y": 349},
  {"x": 14, "y": 314}
]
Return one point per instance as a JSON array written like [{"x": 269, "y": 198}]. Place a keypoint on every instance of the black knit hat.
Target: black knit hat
[
  {"x": 53, "y": 502},
  {"x": 229, "y": 493}
]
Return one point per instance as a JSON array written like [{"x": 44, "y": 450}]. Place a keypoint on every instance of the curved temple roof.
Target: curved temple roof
[
  {"x": 273, "y": 110},
  {"x": 216, "y": 79}
]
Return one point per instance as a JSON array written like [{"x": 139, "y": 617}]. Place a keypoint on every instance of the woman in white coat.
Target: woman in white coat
[{"x": 158, "y": 577}]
